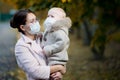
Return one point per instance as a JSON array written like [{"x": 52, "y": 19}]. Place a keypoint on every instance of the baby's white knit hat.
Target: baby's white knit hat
[{"x": 58, "y": 11}]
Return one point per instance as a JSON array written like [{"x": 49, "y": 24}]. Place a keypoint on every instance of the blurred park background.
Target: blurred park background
[{"x": 94, "y": 52}]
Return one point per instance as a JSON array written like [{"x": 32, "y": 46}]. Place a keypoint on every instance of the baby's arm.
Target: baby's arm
[{"x": 61, "y": 40}]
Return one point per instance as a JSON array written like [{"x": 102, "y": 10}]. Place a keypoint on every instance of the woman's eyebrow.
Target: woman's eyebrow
[{"x": 32, "y": 19}]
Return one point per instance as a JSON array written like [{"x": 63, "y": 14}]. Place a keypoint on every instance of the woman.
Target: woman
[{"x": 28, "y": 52}]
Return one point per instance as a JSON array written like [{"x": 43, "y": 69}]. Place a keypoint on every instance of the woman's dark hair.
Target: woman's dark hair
[{"x": 19, "y": 18}]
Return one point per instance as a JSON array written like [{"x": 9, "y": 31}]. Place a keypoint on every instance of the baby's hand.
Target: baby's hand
[
  {"x": 43, "y": 51},
  {"x": 40, "y": 35}
]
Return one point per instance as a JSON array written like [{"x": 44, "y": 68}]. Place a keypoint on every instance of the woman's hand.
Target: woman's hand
[
  {"x": 56, "y": 76},
  {"x": 63, "y": 69},
  {"x": 56, "y": 68}
]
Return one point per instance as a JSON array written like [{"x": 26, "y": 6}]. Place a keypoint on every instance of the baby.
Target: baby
[{"x": 55, "y": 38}]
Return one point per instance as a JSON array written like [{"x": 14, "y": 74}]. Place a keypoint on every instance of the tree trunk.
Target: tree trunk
[
  {"x": 98, "y": 53},
  {"x": 86, "y": 32}
]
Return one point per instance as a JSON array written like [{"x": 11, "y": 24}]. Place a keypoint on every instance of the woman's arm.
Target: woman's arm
[{"x": 30, "y": 65}]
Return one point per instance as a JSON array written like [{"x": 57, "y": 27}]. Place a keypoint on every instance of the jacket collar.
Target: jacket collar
[
  {"x": 34, "y": 44},
  {"x": 26, "y": 39}
]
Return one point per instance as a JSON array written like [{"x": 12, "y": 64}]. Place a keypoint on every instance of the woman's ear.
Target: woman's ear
[{"x": 22, "y": 27}]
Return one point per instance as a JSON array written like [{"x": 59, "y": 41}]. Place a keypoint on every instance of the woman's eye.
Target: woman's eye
[{"x": 33, "y": 20}]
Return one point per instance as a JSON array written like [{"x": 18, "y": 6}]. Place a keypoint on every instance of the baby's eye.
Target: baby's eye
[
  {"x": 48, "y": 16},
  {"x": 51, "y": 16},
  {"x": 37, "y": 20}
]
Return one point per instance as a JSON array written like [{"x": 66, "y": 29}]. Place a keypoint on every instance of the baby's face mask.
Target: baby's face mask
[{"x": 49, "y": 22}]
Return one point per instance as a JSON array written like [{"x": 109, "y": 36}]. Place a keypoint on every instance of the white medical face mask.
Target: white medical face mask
[
  {"x": 34, "y": 28},
  {"x": 49, "y": 22}
]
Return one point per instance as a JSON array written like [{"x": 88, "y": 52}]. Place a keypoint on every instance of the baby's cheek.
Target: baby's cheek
[{"x": 58, "y": 18}]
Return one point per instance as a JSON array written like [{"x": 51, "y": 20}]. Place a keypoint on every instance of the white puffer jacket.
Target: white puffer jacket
[{"x": 56, "y": 42}]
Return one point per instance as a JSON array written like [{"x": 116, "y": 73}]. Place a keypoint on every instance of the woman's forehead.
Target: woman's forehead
[{"x": 30, "y": 16}]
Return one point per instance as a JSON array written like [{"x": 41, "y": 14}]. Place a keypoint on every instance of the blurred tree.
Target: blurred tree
[{"x": 108, "y": 21}]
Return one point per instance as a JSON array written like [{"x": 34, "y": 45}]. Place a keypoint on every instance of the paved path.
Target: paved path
[{"x": 7, "y": 43}]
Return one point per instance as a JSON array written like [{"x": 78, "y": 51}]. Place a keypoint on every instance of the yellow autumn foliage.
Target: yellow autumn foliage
[{"x": 64, "y": 1}]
